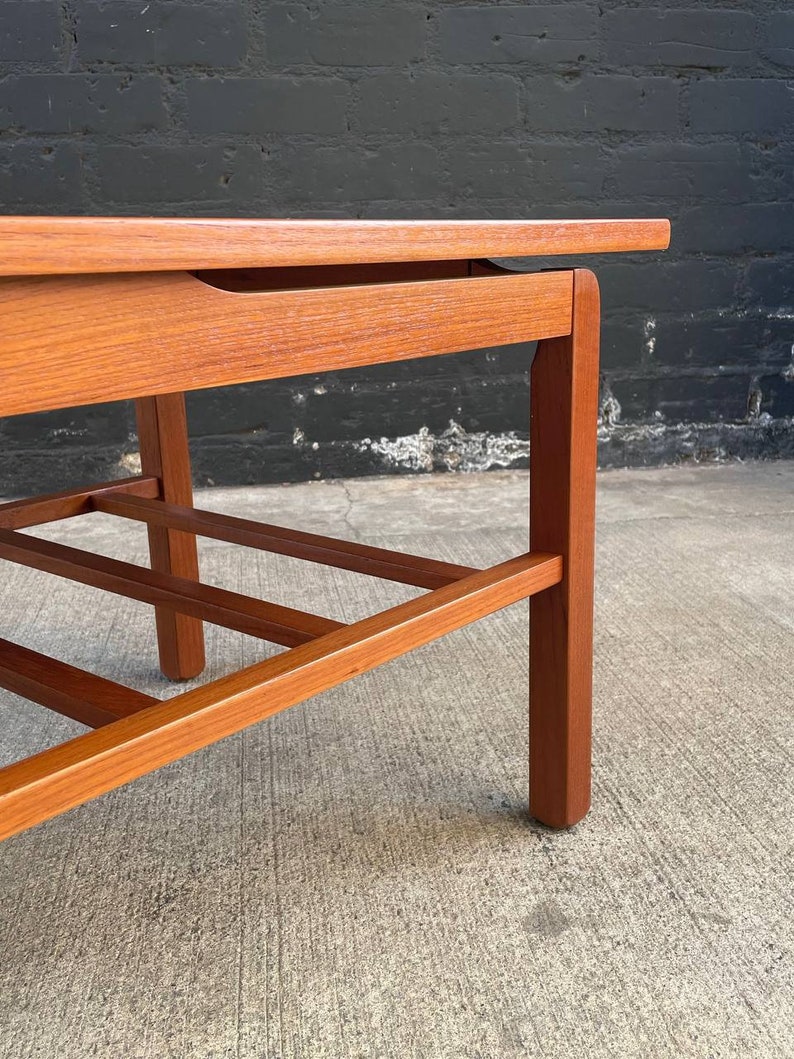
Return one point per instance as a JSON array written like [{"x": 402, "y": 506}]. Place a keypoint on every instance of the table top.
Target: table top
[{"x": 61, "y": 245}]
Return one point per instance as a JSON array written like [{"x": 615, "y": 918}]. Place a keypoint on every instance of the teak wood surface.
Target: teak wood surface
[
  {"x": 36, "y": 246},
  {"x": 99, "y": 309},
  {"x": 78, "y": 335}
]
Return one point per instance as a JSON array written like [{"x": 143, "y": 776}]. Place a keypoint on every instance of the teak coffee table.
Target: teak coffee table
[{"x": 100, "y": 309}]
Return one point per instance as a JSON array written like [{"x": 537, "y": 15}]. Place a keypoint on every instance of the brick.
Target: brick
[
  {"x": 431, "y": 102},
  {"x": 666, "y": 340},
  {"x": 47, "y": 470},
  {"x": 161, "y": 32},
  {"x": 345, "y": 410},
  {"x": 357, "y": 403},
  {"x": 30, "y": 31},
  {"x": 494, "y": 406},
  {"x": 754, "y": 105},
  {"x": 347, "y": 173},
  {"x": 548, "y": 173},
  {"x": 622, "y": 345},
  {"x": 657, "y": 286},
  {"x": 32, "y": 175},
  {"x": 250, "y": 106},
  {"x": 779, "y": 39},
  {"x": 772, "y": 165},
  {"x": 70, "y": 103},
  {"x": 562, "y": 33},
  {"x": 771, "y": 283},
  {"x": 672, "y": 37},
  {"x": 492, "y": 362},
  {"x": 636, "y": 397},
  {"x": 148, "y": 174},
  {"x": 683, "y": 398},
  {"x": 265, "y": 409},
  {"x": 680, "y": 171},
  {"x": 247, "y": 461},
  {"x": 777, "y": 394},
  {"x": 338, "y": 414},
  {"x": 775, "y": 345},
  {"x": 97, "y": 424},
  {"x": 707, "y": 341},
  {"x": 358, "y": 35},
  {"x": 764, "y": 227},
  {"x": 440, "y": 208},
  {"x": 600, "y": 103}
]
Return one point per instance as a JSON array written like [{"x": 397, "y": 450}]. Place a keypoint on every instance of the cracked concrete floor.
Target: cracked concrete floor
[{"x": 358, "y": 876}]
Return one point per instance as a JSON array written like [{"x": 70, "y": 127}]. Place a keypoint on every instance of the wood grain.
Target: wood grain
[
  {"x": 163, "y": 441},
  {"x": 58, "y": 245},
  {"x": 48, "y": 783},
  {"x": 181, "y": 334},
  {"x": 37, "y": 510},
  {"x": 83, "y": 696},
  {"x": 347, "y": 555},
  {"x": 268, "y": 621},
  {"x": 564, "y": 412}
]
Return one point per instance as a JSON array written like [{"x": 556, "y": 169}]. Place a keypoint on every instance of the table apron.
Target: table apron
[{"x": 85, "y": 339}]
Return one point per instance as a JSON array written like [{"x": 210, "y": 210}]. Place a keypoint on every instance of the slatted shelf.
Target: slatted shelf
[
  {"x": 329, "y": 551},
  {"x": 83, "y": 696},
  {"x": 67, "y": 775},
  {"x": 37, "y": 510},
  {"x": 269, "y": 621}
]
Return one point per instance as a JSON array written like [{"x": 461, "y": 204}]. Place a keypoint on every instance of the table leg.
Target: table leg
[
  {"x": 162, "y": 432},
  {"x": 564, "y": 411}
]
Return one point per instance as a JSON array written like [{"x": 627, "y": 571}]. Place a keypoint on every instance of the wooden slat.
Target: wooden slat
[
  {"x": 268, "y": 621},
  {"x": 48, "y": 245},
  {"x": 83, "y": 696},
  {"x": 346, "y": 555},
  {"x": 67, "y": 775},
  {"x": 35, "y": 511},
  {"x": 181, "y": 334}
]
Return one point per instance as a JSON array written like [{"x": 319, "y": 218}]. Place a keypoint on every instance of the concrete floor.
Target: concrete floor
[{"x": 357, "y": 877}]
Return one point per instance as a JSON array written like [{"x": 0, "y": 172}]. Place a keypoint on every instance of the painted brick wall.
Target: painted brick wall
[{"x": 445, "y": 108}]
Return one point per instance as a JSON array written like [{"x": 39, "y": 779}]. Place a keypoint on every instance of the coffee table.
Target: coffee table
[{"x": 103, "y": 309}]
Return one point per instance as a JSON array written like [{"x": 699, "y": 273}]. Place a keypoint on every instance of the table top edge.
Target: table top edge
[{"x": 46, "y": 245}]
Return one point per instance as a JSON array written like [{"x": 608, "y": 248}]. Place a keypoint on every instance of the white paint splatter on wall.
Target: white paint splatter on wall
[{"x": 455, "y": 449}]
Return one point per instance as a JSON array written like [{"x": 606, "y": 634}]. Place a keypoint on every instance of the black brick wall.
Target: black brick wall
[{"x": 446, "y": 108}]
